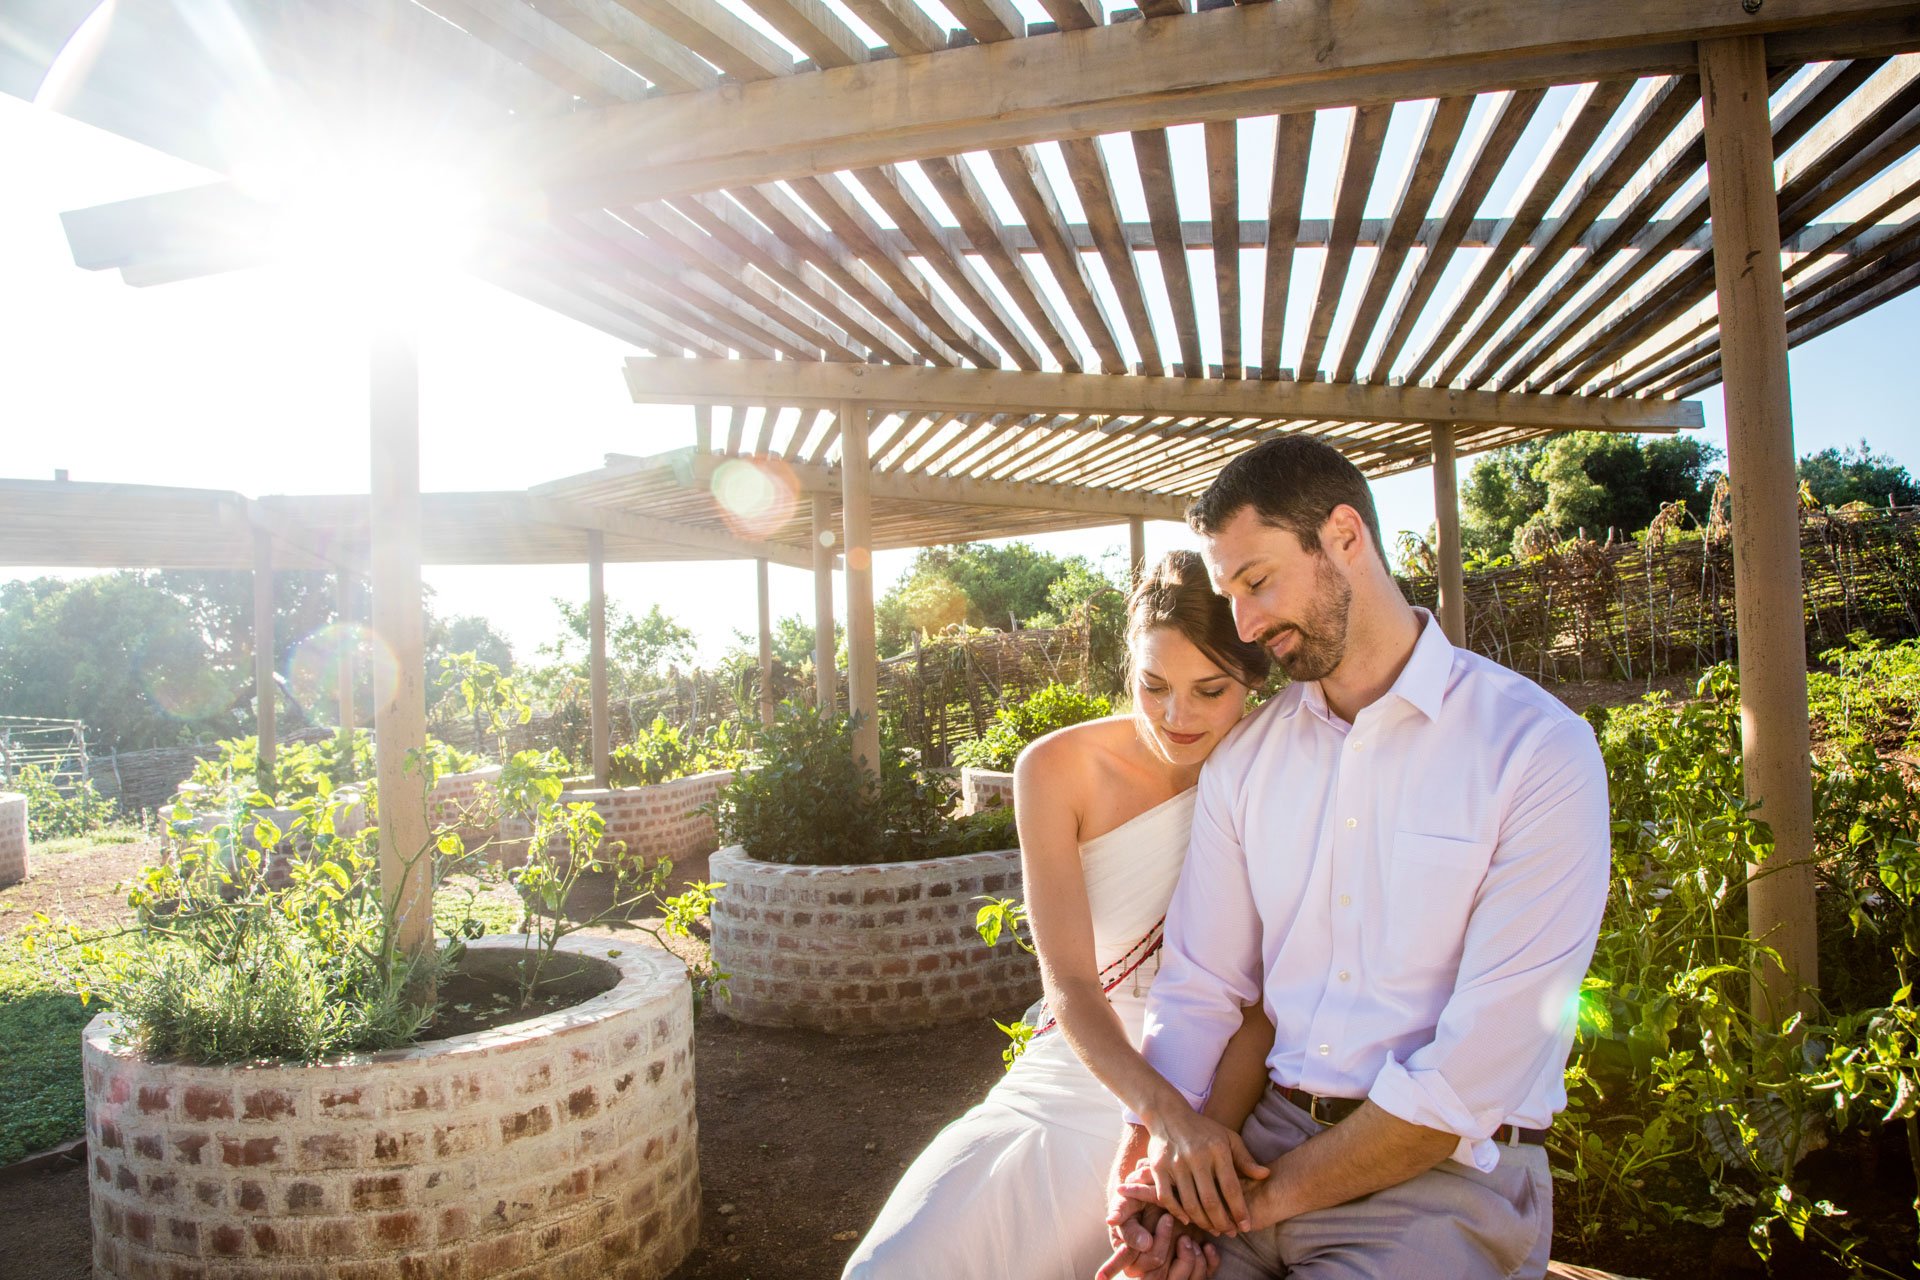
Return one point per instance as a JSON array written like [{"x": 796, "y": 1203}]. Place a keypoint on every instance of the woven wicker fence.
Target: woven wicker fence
[{"x": 1587, "y": 610}]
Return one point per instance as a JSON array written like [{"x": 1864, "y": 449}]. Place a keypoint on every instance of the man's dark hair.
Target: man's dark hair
[{"x": 1292, "y": 482}]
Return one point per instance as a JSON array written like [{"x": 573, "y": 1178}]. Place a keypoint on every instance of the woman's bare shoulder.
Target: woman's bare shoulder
[{"x": 1072, "y": 759}]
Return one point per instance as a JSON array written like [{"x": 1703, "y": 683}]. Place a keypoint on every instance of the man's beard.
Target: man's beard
[{"x": 1321, "y": 636}]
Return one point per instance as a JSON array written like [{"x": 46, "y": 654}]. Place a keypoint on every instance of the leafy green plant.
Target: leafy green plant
[
  {"x": 665, "y": 752},
  {"x": 807, "y": 802},
  {"x": 1054, "y": 707},
  {"x": 54, "y": 815},
  {"x": 306, "y": 770}
]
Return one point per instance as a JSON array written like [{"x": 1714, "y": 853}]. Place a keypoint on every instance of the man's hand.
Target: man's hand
[{"x": 1172, "y": 1251}]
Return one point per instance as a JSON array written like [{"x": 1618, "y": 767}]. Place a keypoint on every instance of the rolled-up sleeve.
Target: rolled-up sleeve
[
  {"x": 1210, "y": 966},
  {"x": 1509, "y": 1023}
]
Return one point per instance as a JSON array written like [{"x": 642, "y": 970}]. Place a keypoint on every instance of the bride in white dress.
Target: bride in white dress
[{"x": 1016, "y": 1189}]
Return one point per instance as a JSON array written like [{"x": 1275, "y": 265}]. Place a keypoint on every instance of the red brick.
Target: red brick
[
  {"x": 202, "y": 1103},
  {"x": 268, "y": 1104},
  {"x": 189, "y": 1146},
  {"x": 155, "y": 1098},
  {"x": 386, "y": 1191},
  {"x": 249, "y": 1153},
  {"x": 226, "y": 1241},
  {"x": 525, "y": 1124}
]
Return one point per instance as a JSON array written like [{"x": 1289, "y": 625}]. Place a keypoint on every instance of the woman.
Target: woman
[{"x": 1016, "y": 1188}]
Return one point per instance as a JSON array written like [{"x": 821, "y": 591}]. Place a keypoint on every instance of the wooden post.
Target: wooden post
[
  {"x": 400, "y": 716},
  {"x": 1136, "y": 550},
  {"x": 1452, "y": 610},
  {"x": 766, "y": 641},
  {"x": 264, "y": 700},
  {"x": 703, "y": 428},
  {"x": 856, "y": 514},
  {"x": 344, "y": 604},
  {"x": 824, "y": 676},
  {"x": 1768, "y": 598},
  {"x": 599, "y": 724}
]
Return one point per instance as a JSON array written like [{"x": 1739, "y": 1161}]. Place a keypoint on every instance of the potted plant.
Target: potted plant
[
  {"x": 848, "y": 904},
  {"x": 278, "y": 1088}
]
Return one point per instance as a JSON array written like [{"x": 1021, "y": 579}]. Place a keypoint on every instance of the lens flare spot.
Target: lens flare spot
[
  {"x": 756, "y": 495},
  {"x": 187, "y": 693},
  {"x": 313, "y": 671}
]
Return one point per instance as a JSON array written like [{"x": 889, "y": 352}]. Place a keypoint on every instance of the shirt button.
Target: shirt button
[
  {"x": 1352, "y": 823},
  {"x": 1344, "y": 975},
  {"x": 1345, "y": 901},
  {"x": 1325, "y": 1049},
  {"x": 1358, "y": 745}
]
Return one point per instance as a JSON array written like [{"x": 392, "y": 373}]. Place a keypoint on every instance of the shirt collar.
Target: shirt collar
[{"x": 1423, "y": 681}]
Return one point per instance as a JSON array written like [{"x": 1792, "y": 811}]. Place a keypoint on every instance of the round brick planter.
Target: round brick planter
[
  {"x": 563, "y": 1146},
  {"x": 660, "y": 821},
  {"x": 985, "y": 788},
  {"x": 13, "y": 837},
  {"x": 867, "y": 948}
]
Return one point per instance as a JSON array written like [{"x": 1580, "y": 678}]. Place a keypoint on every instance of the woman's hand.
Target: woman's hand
[{"x": 1196, "y": 1165}]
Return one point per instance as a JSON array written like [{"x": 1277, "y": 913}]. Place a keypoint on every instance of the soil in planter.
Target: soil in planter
[{"x": 484, "y": 991}]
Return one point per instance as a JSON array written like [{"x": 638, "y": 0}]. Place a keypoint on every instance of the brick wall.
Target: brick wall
[
  {"x": 557, "y": 1148},
  {"x": 984, "y": 788},
  {"x": 660, "y": 821},
  {"x": 13, "y": 837},
  {"x": 865, "y": 948}
]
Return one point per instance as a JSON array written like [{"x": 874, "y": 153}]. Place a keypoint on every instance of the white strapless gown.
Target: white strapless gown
[{"x": 1015, "y": 1189}]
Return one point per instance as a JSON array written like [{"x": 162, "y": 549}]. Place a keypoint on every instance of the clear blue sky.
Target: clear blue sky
[{"x": 255, "y": 381}]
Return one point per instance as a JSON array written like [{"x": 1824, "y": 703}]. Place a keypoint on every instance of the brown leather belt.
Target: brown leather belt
[{"x": 1334, "y": 1110}]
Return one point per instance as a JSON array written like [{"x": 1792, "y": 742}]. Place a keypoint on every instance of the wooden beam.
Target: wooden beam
[
  {"x": 903, "y": 486},
  {"x": 820, "y": 508},
  {"x": 863, "y": 659},
  {"x": 1229, "y": 62},
  {"x": 1136, "y": 550},
  {"x": 400, "y": 718},
  {"x": 1452, "y": 610},
  {"x": 628, "y": 524},
  {"x": 785, "y": 382},
  {"x": 599, "y": 725},
  {"x": 764, "y": 594},
  {"x": 265, "y": 703},
  {"x": 1769, "y": 605},
  {"x": 346, "y": 589}
]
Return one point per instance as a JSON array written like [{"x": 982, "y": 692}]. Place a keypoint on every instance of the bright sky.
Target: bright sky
[{"x": 255, "y": 381}]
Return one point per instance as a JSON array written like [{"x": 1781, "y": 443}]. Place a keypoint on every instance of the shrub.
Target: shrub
[
  {"x": 52, "y": 815},
  {"x": 1054, "y": 707},
  {"x": 665, "y": 752},
  {"x": 806, "y": 802},
  {"x": 307, "y": 770}
]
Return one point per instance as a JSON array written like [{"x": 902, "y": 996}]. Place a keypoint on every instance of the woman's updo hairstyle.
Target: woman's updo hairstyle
[{"x": 1175, "y": 593}]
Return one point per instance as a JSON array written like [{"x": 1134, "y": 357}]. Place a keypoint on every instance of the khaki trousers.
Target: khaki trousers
[{"x": 1450, "y": 1223}]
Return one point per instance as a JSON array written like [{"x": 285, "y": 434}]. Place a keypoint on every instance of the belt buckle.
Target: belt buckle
[{"x": 1314, "y": 1103}]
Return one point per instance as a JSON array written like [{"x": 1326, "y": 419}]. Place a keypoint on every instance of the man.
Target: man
[{"x": 1404, "y": 855}]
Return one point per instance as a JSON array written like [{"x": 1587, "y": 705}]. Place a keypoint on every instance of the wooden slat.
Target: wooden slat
[
  {"x": 546, "y": 49},
  {"x": 1072, "y": 15},
  {"x": 1223, "y": 196},
  {"x": 1365, "y": 137},
  {"x": 1154, "y": 158},
  {"x": 632, "y": 42},
  {"x": 903, "y": 24},
  {"x": 1444, "y": 126},
  {"x": 819, "y": 32},
  {"x": 712, "y": 31},
  {"x": 899, "y": 201},
  {"x": 969, "y": 204},
  {"x": 989, "y": 20},
  {"x": 1027, "y": 183},
  {"x": 1503, "y": 133},
  {"x": 1092, "y": 182},
  {"x": 1555, "y": 166},
  {"x": 1292, "y": 148}
]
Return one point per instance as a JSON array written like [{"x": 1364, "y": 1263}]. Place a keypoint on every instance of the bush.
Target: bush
[
  {"x": 309, "y": 770},
  {"x": 807, "y": 803},
  {"x": 665, "y": 752},
  {"x": 54, "y": 816},
  {"x": 1054, "y": 707}
]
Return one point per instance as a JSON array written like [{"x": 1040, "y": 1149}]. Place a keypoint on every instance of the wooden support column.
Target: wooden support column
[
  {"x": 766, "y": 641},
  {"x": 1452, "y": 610},
  {"x": 264, "y": 690},
  {"x": 1770, "y": 605},
  {"x": 856, "y": 514},
  {"x": 703, "y": 428},
  {"x": 1136, "y": 550},
  {"x": 400, "y": 711},
  {"x": 599, "y": 723},
  {"x": 345, "y": 605},
  {"x": 824, "y": 676}
]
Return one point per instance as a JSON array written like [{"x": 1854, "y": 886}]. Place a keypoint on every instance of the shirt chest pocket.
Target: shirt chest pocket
[{"x": 1431, "y": 883}]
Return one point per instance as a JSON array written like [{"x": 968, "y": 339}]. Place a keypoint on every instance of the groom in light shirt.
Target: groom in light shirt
[{"x": 1404, "y": 856}]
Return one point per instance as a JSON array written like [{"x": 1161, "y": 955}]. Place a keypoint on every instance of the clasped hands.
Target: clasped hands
[{"x": 1194, "y": 1182}]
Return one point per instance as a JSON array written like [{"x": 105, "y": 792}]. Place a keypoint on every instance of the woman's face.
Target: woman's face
[{"x": 1186, "y": 702}]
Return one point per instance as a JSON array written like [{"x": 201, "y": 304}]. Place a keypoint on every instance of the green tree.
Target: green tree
[
  {"x": 1500, "y": 495},
  {"x": 984, "y": 585},
  {"x": 1590, "y": 480},
  {"x": 639, "y": 650},
  {"x": 1836, "y": 477},
  {"x": 465, "y": 633}
]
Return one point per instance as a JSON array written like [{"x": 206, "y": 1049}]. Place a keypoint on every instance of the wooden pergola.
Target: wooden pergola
[{"x": 910, "y": 263}]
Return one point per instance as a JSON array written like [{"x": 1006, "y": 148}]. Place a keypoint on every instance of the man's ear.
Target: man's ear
[{"x": 1344, "y": 534}]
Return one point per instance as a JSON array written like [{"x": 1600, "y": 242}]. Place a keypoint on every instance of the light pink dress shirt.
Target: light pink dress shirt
[{"x": 1415, "y": 897}]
